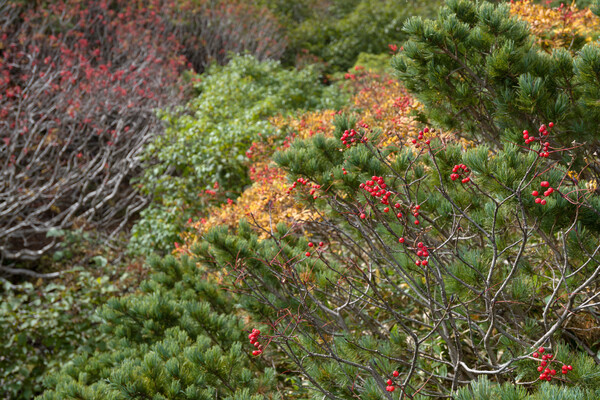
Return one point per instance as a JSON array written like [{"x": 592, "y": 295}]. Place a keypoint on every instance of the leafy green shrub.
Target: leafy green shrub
[
  {"x": 45, "y": 326},
  {"x": 206, "y": 142},
  {"x": 339, "y": 31}
]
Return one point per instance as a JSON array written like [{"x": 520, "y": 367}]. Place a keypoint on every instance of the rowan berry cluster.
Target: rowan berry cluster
[
  {"x": 305, "y": 182},
  {"x": 546, "y": 373},
  {"x": 460, "y": 171},
  {"x": 254, "y": 341},
  {"x": 352, "y": 137},
  {"x": 423, "y": 254},
  {"x": 390, "y": 384},
  {"x": 378, "y": 188},
  {"x": 547, "y": 192},
  {"x": 311, "y": 245},
  {"x": 543, "y": 130},
  {"x": 421, "y": 136}
]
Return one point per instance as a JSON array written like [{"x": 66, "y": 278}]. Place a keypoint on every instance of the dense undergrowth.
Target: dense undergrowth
[{"x": 428, "y": 237}]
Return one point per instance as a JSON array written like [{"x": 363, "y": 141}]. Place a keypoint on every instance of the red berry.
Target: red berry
[
  {"x": 466, "y": 180},
  {"x": 540, "y": 368},
  {"x": 389, "y": 382},
  {"x": 424, "y": 262},
  {"x": 417, "y": 207},
  {"x": 399, "y": 215},
  {"x": 420, "y": 245},
  {"x": 543, "y": 377},
  {"x": 538, "y": 200},
  {"x": 307, "y": 254},
  {"x": 397, "y": 205},
  {"x": 401, "y": 240},
  {"x": 256, "y": 344},
  {"x": 387, "y": 209},
  {"x": 321, "y": 244},
  {"x": 543, "y": 202},
  {"x": 535, "y": 355},
  {"x": 543, "y": 363},
  {"x": 525, "y": 132},
  {"x": 535, "y": 193},
  {"x": 551, "y": 124},
  {"x": 363, "y": 216},
  {"x": 396, "y": 373},
  {"x": 552, "y": 372},
  {"x": 310, "y": 244},
  {"x": 417, "y": 222},
  {"x": 428, "y": 141},
  {"x": 570, "y": 368},
  {"x": 253, "y": 340},
  {"x": 545, "y": 184}
]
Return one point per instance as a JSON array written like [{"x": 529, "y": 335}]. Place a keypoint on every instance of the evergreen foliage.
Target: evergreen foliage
[
  {"x": 478, "y": 70},
  {"x": 179, "y": 338}
]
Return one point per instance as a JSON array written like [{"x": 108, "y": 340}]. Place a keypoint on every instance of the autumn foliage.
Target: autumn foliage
[
  {"x": 563, "y": 26},
  {"x": 80, "y": 84},
  {"x": 378, "y": 101}
]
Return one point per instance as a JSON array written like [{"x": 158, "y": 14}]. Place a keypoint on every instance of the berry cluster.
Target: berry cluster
[
  {"x": 305, "y": 182},
  {"x": 416, "y": 213},
  {"x": 460, "y": 171},
  {"x": 378, "y": 188},
  {"x": 546, "y": 373},
  {"x": 543, "y": 130},
  {"x": 311, "y": 245},
  {"x": 254, "y": 341},
  {"x": 547, "y": 192},
  {"x": 350, "y": 138},
  {"x": 421, "y": 137},
  {"x": 423, "y": 254},
  {"x": 390, "y": 384}
]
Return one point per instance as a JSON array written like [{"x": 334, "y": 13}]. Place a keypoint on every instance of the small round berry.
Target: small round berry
[
  {"x": 401, "y": 240},
  {"x": 544, "y": 363},
  {"x": 417, "y": 222},
  {"x": 387, "y": 209},
  {"x": 538, "y": 200},
  {"x": 540, "y": 368},
  {"x": 466, "y": 180},
  {"x": 363, "y": 216},
  {"x": 551, "y": 124},
  {"x": 535, "y": 193},
  {"x": 569, "y": 367},
  {"x": 307, "y": 254},
  {"x": 399, "y": 215},
  {"x": 525, "y": 132},
  {"x": 543, "y": 202},
  {"x": 535, "y": 355},
  {"x": 545, "y": 184},
  {"x": 321, "y": 244},
  {"x": 552, "y": 372},
  {"x": 389, "y": 382},
  {"x": 424, "y": 263},
  {"x": 420, "y": 245},
  {"x": 310, "y": 244},
  {"x": 256, "y": 344},
  {"x": 417, "y": 207},
  {"x": 396, "y": 373}
]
